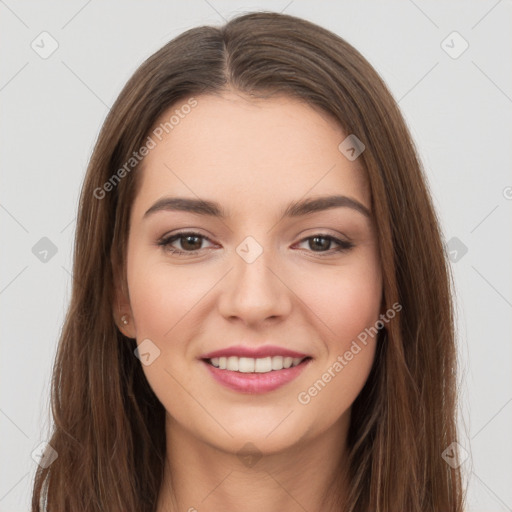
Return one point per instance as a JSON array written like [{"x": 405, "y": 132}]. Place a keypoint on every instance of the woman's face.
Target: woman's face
[{"x": 267, "y": 279}]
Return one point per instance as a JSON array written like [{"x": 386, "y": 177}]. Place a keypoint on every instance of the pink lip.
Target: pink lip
[
  {"x": 259, "y": 352},
  {"x": 256, "y": 382}
]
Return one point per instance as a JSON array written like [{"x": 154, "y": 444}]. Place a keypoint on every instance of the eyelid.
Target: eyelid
[
  {"x": 341, "y": 245},
  {"x": 325, "y": 232},
  {"x": 172, "y": 237}
]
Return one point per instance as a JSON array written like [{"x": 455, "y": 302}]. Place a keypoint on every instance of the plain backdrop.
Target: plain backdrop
[{"x": 448, "y": 64}]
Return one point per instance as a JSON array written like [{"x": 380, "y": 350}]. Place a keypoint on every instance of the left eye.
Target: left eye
[
  {"x": 326, "y": 240},
  {"x": 191, "y": 243}
]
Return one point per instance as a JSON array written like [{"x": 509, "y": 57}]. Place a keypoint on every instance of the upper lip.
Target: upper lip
[{"x": 253, "y": 352}]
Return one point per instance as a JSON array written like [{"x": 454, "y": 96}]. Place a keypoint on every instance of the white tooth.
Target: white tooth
[
  {"x": 263, "y": 365},
  {"x": 250, "y": 365},
  {"x": 232, "y": 363},
  {"x": 277, "y": 363},
  {"x": 246, "y": 365}
]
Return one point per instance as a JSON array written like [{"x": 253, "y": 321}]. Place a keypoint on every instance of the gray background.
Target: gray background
[{"x": 459, "y": 112}]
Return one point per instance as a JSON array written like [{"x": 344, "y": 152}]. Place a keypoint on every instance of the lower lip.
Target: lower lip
[{"x": 256, "y": 382}]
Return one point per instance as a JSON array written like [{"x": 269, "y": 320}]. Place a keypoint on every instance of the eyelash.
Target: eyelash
[{"x": 343, "y": 245}]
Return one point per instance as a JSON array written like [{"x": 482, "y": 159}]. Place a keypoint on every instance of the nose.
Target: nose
[{"x": 254, "y": 292}]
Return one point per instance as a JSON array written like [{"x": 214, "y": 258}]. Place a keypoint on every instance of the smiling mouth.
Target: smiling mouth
[{"x": 255, "y": 365}]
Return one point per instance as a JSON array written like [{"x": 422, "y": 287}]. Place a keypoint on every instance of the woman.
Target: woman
[{"x": 261, "y": 316}]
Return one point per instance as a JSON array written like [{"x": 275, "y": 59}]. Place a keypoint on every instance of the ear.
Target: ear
[{"x": 123, "y": 316}]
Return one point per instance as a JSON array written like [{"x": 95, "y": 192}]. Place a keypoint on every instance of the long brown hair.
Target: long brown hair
[{"x": 109, "y": 425}]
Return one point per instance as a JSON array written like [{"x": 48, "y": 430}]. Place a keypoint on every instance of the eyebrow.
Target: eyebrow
[{"x": 294, "y": 209}]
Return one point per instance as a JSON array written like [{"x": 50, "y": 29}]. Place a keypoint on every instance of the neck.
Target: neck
[{"x": 305, "y": 476}]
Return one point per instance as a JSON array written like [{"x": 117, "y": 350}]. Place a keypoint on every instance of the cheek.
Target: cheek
[
  {"x": 160, "y": 297},
  {"x": 162, "y": 300},
  {"x": 344, "y": 301},
  {"x": 346, "y": 306}
]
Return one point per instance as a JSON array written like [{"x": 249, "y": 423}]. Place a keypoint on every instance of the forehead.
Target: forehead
[{"x": 248, "y": 152}]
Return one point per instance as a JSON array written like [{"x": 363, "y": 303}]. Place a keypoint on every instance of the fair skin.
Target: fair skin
[{"x": 253, "y": 157}]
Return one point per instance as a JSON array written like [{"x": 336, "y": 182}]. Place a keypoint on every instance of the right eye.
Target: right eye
[{"x": 187, "y": 240}]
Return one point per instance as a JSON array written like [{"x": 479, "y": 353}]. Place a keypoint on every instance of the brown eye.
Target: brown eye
[
  {"x": 190, "y": 243},
  {"x": 322, "y": 244},
  {"x": 320, "y": 241}
]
